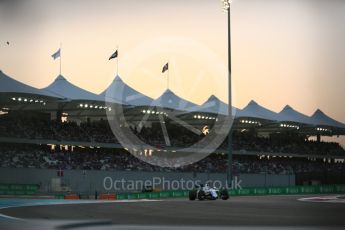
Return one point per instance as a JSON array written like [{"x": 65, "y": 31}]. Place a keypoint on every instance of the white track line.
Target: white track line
[
  {"x": 323, "y": 199},
  {"x": 42, "y": 203}
]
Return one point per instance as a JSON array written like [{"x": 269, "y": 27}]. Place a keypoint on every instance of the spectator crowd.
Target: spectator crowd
[
  {"x": 43, "y": 157},
  {"x": 100, "y": 132}
]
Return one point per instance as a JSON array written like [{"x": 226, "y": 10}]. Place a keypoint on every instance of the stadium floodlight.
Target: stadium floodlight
[
  {"x": 226, "y": 4},
  {"x": 226, "y": 8}
]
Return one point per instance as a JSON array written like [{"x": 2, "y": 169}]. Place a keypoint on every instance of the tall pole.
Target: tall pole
[
  {"x": 168, "y": 75},
  {"x": 117, "y": 61},
  {"x": 60, "y": 56},
  {"x": 229, "y": 169}
]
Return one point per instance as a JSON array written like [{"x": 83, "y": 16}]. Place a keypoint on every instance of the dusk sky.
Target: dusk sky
[{"x": 284, "y": 52}]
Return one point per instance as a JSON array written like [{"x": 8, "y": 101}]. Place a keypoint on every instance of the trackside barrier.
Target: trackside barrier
[
  {"x": 18, "y": 189},
  {"x": 107, "y": 197},
  {"x": 255, "y": 191},
  {"x": 72, "y": 197}
]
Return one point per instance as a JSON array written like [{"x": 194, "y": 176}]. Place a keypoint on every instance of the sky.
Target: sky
[{"x": 283, "y": 52}]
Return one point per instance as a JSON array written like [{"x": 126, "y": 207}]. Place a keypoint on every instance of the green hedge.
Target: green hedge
[{"x": 255, "y": 191}]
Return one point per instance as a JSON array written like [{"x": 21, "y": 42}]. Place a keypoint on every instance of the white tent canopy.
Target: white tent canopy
[
  {"x": 213, "y": 105},
  {"x": 170, "y": 100},
  {"x": 288, "y": 114},
  {"x": 9, "y": 85},
  {"x": 320, "y": 118},
  {"x": 254, "y": 110},
  {"x": 119, "y": 92},
  {"x": 67, "y": 90}
]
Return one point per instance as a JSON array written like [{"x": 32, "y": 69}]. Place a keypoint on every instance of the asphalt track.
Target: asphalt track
[{"x": 238, "y": 211}]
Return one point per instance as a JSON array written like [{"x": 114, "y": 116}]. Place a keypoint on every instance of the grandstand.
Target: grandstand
[{"x": 64, "y": 127}]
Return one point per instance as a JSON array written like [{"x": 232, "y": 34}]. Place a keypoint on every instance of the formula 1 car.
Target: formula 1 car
[{"x": 206, "y": 192}]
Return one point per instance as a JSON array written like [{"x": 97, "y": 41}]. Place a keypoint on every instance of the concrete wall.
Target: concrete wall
[{"x": 89, "y": 181}]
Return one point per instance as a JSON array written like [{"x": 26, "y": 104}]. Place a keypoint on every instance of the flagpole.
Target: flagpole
[
  {"x": 60, "y": 56},
  {"x": 168, "y": 75},
  {"x": 117, "y": 61}
]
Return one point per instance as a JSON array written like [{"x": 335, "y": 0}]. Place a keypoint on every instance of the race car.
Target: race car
[{"x": 206, "y": 192}]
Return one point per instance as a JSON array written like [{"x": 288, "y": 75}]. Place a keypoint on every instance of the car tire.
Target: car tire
[
  {"x": 201, "y": 195},
  {"x": 224, "y": 194},
  {"x": 192, "y": 195}
]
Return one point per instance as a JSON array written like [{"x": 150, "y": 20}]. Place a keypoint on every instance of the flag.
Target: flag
[
  {"x": 165, "y": 67},
  {"x": 56, "y": 54},
  {"x": 114, "y": 55}
]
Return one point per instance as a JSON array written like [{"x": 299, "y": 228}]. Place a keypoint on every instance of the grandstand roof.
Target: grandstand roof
[
  {"x": 67, "y": 90},
  {"x": 214, "y": 105},
  {"x": 170, "y": 100},
  {"x": 255, "y": 110},
  {"x": 291, "y": 115},
  {"x": 119, "y": 92},
  {"x": 9, "y": 85},
  {"x": 320, "y": 118}
]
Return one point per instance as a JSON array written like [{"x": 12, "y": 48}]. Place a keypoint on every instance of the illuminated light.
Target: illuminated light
[
  {"x": 148, "y": 111},
  {"x": 109, "y": 109},
  {"x": 157, "y": 113},
  {"x": 96, "y": 107},
  {"x": 101, "y": 107},
  {"x": 19, "y": 99},
  {"x": 31, "y": 100},
  {"x": 194, "y": 116},
  {"x": 41, "y": 101},
  {"x": 105, "y": 107},
  {"x": 199, "y": 117},
  {"x": 86, "y": 105},
  {"x": 13, "y": 98},
  {"x": 44, "y": 103},
  {"x": 25, "y": 99},
  {"x": 36, "y": 101},
  {"x": 206, "y": 118},
  {"x": 91, "y": 106},
  {"x": 162, "y": 113},
  {"x": 202, "y": 117},
  {"x": 144, "y": 111}
]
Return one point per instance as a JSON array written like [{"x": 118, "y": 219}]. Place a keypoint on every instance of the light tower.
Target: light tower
[{"x": 226, "y": 7}]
